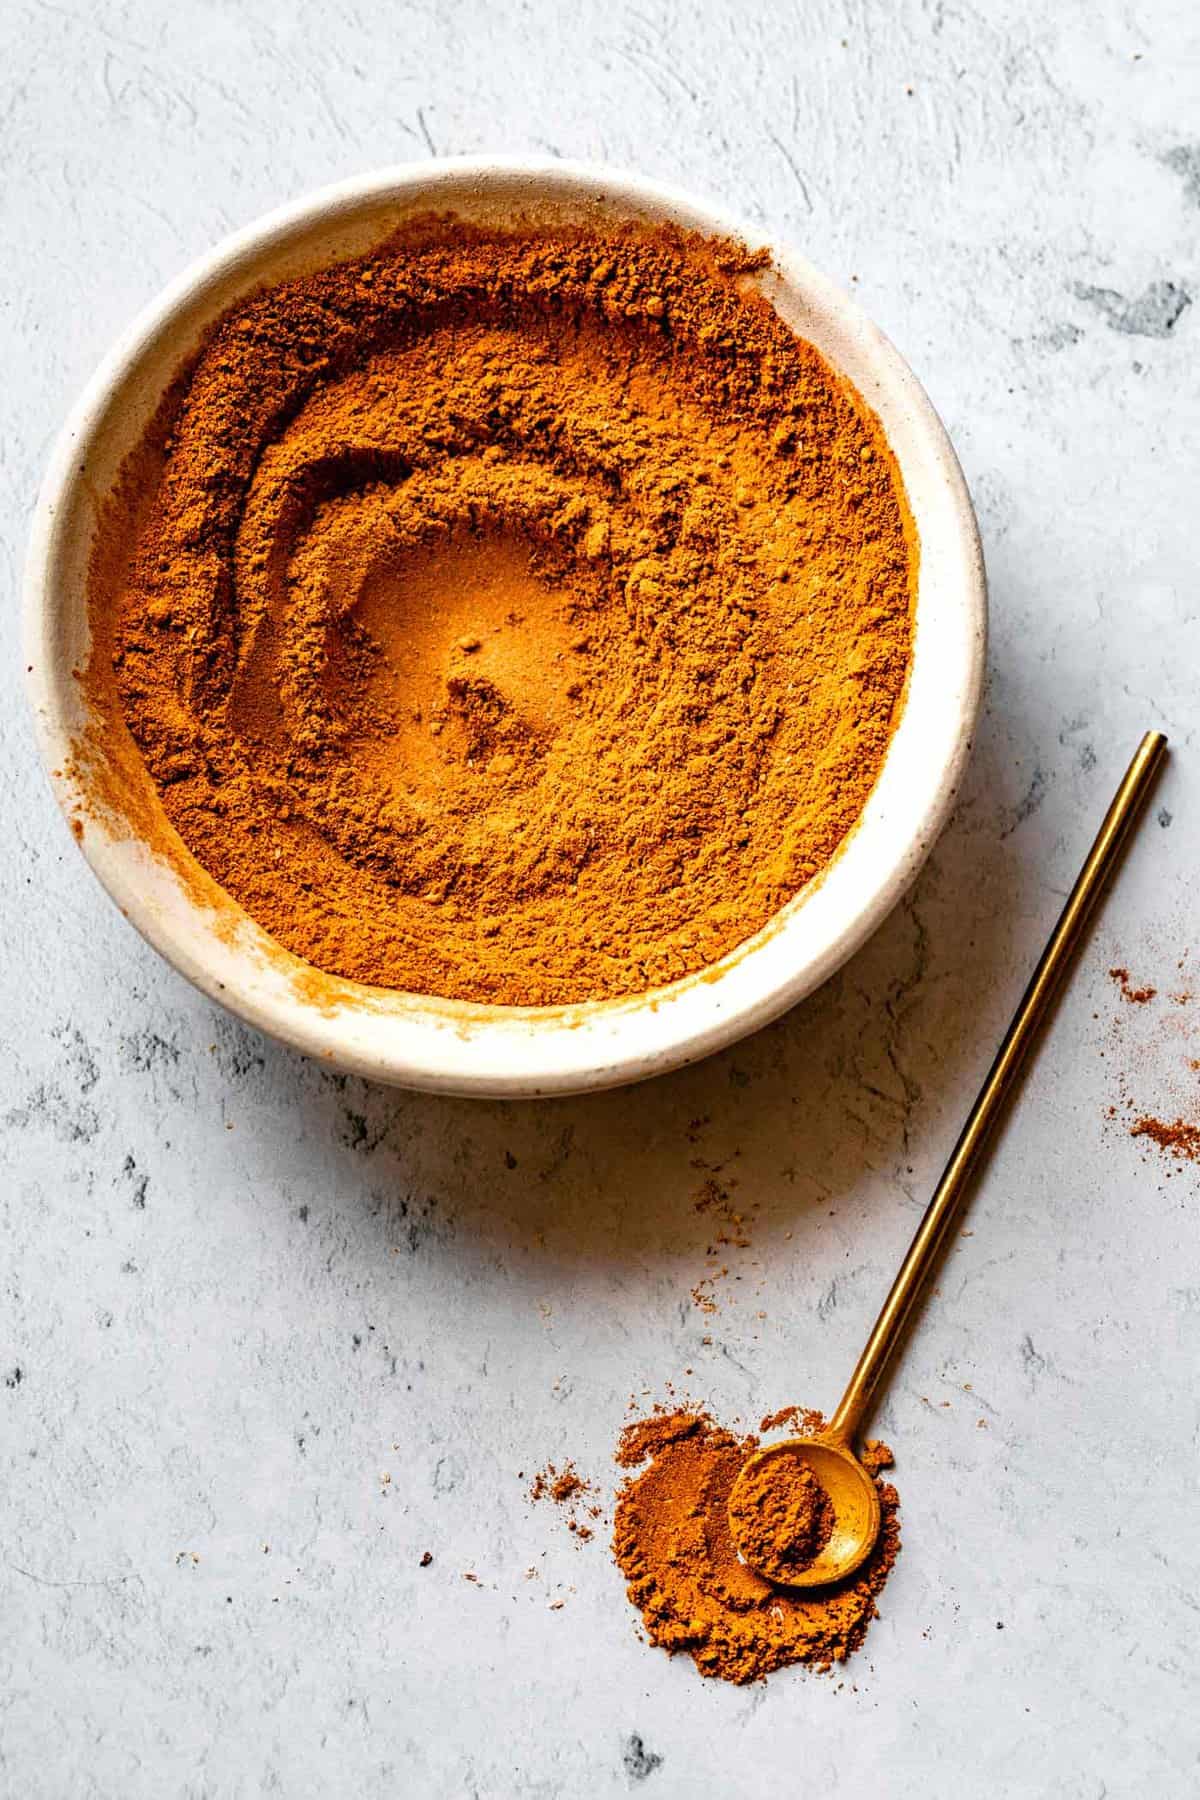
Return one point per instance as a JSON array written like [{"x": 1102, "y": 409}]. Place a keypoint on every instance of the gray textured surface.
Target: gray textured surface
[{"x": 238, "y": 1295}]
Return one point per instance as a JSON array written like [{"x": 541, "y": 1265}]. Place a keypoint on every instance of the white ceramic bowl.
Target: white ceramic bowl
[{"x": 448, "y": 1045}]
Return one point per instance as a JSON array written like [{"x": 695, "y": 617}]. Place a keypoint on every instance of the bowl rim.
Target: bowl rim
[{"x": 422, "y": 1042}]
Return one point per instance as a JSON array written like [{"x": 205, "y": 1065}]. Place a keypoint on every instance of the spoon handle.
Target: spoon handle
[{"x": 998, "y": 1085}]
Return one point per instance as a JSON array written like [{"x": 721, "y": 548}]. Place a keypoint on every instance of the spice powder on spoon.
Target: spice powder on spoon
[{"x": 516, "y": 617}]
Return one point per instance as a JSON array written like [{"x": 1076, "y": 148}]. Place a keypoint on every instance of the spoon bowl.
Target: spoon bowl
[{"x": 851, "y": 1492}]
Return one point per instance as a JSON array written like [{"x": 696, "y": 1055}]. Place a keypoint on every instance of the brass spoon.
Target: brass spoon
[{"x": 829, "y": 1455}]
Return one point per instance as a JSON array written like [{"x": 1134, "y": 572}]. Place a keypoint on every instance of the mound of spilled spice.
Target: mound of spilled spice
[
  {"x": 515, "y": 617},
  {"x": 672, "y": 1541}
]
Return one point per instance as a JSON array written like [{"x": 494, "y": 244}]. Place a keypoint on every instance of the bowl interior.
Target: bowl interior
[{"x": 451, "y": 1045}]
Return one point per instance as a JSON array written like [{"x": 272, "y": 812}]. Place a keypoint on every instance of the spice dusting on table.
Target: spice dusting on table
[
  {"x": 512, "y": 617},
  {"x": 571, "y": 1491},
  {"x": 1137, "y": 996},
  {"x": 672, "y": 1541},
  {"x": 1157, "y": 1055},
  {"x": 1178, "y": 1138}
]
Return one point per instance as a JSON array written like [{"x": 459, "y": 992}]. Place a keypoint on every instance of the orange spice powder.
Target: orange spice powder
[
  {"x": 511, "y": 617},
  {"x": 673, "y": 1543},
  {"x": 782, "y": 1516}
]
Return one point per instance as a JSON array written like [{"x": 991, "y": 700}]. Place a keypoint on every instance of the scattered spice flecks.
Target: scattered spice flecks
[
  {"x": 672, "y": 1542},
  {"x": 703, "y": 1295},
  {"x": 804, "y": 1420},
  {"x": 567, "y": 1488},
  {"x": 1178, "y": 1139},
  {"x": 1136, "y": 996},
  {"x": 559, "y": 1487},
  {"x": 731, "y": 1230},
  {"x": 1158, "y": 1043}
]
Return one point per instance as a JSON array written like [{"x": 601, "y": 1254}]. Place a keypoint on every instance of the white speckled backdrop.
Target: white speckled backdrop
[{"x": 268, "y": 1336}]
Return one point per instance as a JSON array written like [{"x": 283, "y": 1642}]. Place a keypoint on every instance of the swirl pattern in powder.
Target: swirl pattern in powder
[{"x": 512, "y": 617}]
